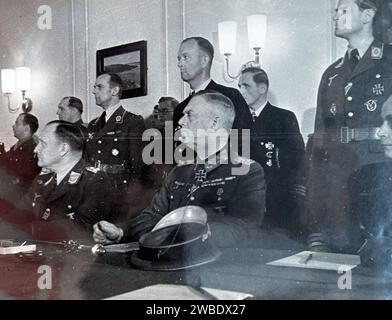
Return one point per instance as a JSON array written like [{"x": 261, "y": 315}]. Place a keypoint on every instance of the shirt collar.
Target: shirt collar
[
  {"x": 362, "y": 47},
  {"x": 203, "y": 86},
  {"x": 259, "y": 109},
  {"x": 112, "y": 109}
]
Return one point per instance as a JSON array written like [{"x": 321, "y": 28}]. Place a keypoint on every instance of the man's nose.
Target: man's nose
[{"x": 382, "y": 132}]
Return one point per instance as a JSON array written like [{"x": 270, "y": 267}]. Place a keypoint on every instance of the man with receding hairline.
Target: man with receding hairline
[
  {"x": 68, "y": 196},
  {"x": 114, "y": 143},
  {"x": 230, "y": 188},
  {"x": 70, "y": 109},
  {"x": 195, "y": 57}
]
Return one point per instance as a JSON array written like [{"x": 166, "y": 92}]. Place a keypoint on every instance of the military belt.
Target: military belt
[
  {"x": 111, "y": 168},
  {"x": 348, "y": 135}
]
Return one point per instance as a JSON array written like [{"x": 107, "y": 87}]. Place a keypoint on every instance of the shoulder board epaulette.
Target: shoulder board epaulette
[{"x": 45, "y": 171}]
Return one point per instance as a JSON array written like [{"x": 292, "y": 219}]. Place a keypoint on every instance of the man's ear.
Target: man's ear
[
  {"x": 64, "y": 148},
  {"x": 115, "y": 91},
  {"x": 368, "y": 16},
  {"x": 263, "y": 88},
  {"x": 205, "y": 60}
]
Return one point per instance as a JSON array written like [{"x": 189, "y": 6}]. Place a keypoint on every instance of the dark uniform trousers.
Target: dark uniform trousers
[
  {"x": 277, "y": 145},
  {"x": 235, "y": 204},
  {"x": 65, "y": 211},
  {"x": 116, "y": 148},
  {"x": 18, "y": 169},
  {"x": 348, "y": 114},
  {"x": 370, "y": 190}
]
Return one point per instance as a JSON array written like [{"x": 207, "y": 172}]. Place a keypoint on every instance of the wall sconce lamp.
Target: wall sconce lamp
[
  {"x": 257, "y": 33},
  {"x": 22, "y": 78},
  {"x": 8, "y": 83}
]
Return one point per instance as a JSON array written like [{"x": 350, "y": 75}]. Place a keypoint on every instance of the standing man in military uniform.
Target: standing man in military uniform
[
  {"x": 351, "y": 93},
  {"x": 114, "y": 144},
  {"x": 68, "y": 197},
  {"x": 277, "y": 145},
  {"x": 19, "y": 164},
  {"x": 230, "y": 188}
]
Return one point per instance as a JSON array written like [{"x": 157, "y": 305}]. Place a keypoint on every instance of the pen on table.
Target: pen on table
[{"x": 310, "y": 256}]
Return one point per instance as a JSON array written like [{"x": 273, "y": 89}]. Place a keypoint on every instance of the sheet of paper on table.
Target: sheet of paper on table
[
  {"x": 180, "y": 292},
  {"x": 319, "y": 260},
  {"x": 13, "y": 247}
]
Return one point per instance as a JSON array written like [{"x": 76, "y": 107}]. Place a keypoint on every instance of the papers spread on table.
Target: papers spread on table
[
  {"x": 180, "y": 292},
  {"x": 319, "y": 260},
  {"x": 13, "y": 247}
]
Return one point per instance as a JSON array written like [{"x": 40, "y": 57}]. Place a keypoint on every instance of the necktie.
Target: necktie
[
  {"x": 102, "y": 120},
  {"x": 353, "y": 58},
  {"x": 254, "y": 116}
]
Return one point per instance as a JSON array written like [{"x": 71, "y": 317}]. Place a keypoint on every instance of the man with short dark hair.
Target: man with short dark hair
[
  {"x": 351, "y": 93},
  {"x": 195, "y": 58},
  {"x": 114, "y": 143},
  {"x": 70, "y": 109},
  {"x": 230, "y": 188},
  {"x": 277, "y": 145},
  {"x": 68, "y": 197},
  {"x": 19, "y": 164}
]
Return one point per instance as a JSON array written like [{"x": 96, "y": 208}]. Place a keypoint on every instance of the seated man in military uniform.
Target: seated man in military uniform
[
  {"x": 371, "y": 202},
  {"x": 67, "y": 198},
  {"x": 230, "y": 188}
]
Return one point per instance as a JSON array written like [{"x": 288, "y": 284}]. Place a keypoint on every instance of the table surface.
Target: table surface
[{"x": 80, "y": 275}]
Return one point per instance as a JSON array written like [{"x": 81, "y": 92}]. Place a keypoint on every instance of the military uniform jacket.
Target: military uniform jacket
[
  {"x": 20, "y": 164},
  {"x": 243, "y": 117},
  {"x": 353, "y": 99},
  {"x": 119, "y": 142},
  {"x": 371, "y": 209},
  {"x": 347, "y": 99},
  {"x": 235, "y": 204},
  {"x": 277, "y": 145},
  {"x": 71, "y": 208}
]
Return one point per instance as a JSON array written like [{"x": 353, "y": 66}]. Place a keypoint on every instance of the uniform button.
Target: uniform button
[
  {"x": 69, "y": 206},
  {"x": 171, "y": 197},
  {"x": 378, "y": 76},
  {"x": 99, "y": 151},
  {"x": 350, "y": 98},
  {"x": 192, "y": 198},
  {"x": 350, "y": 114},
  {"x": 125, "y": 181},
  {"x": 350, "y": 84},
  {"x": 115, "y": 140},
  {"x": 99, "y": 141}
]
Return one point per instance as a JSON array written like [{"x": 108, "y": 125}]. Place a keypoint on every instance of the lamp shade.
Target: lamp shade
[
  {"x": 23, "y": 78},
  {"x": 8, "y": 80},
  {"x": 257, "y": 30},
  {"x": 227, "y": 31}
]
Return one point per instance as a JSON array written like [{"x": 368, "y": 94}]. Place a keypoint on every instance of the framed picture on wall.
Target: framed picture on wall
[{"x": 129, "y": 61}]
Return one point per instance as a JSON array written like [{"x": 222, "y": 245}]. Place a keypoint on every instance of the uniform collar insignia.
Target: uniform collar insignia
[
  {"x": 377, "y": 52},
  {"x": 74, "y": 177}
]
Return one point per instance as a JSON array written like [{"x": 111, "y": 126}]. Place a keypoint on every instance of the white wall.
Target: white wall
[
  {"x": 47, "y": 52},
  {"x": 300, "y": 45}
]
